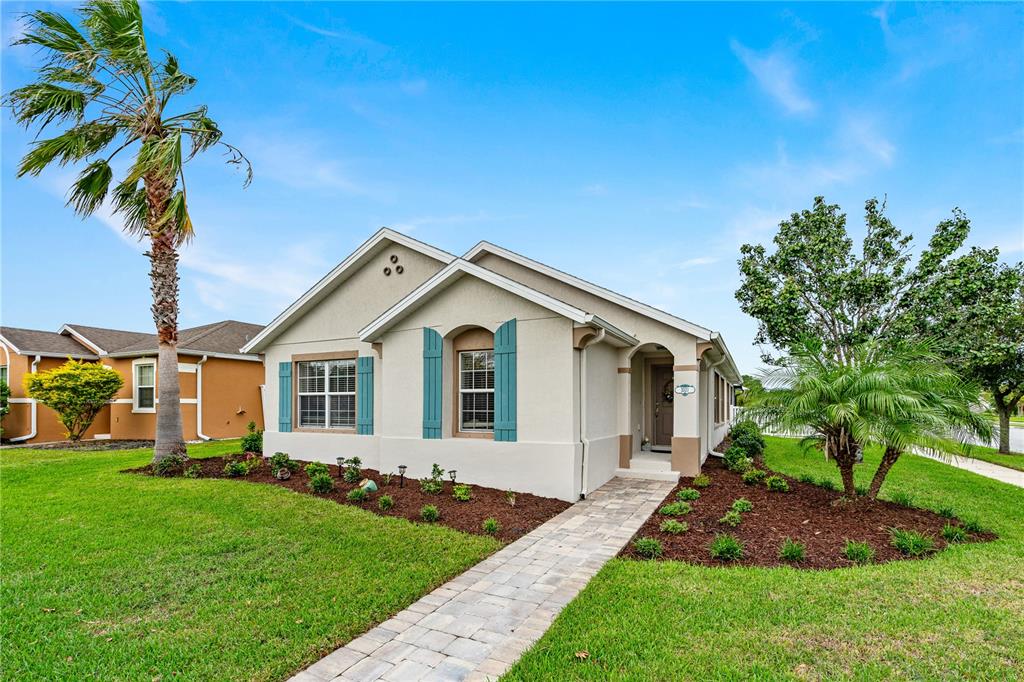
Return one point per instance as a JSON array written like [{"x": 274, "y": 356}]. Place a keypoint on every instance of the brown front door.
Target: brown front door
[{"x": 661, "y": 386}]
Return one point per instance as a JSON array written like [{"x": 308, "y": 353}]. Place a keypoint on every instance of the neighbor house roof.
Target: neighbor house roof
[
  {"x": 223, "y": 339},
  {"x": 459, "y": 268},
  {"x": 47, "y": 344},
  {"x": 339, "y": 274},
  {"x": 101, "y": 339}
]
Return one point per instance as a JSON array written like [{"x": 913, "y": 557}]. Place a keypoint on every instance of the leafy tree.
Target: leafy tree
[
  {"x": 100, "y": 82},
  {"x": 76, "y": 391},
  {"x": 751, "y": 393},
  {"x": 815, "y": 286}
]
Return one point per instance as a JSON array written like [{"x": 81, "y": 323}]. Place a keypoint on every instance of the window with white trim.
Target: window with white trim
[
  {"x": 327, "y": 394},
  {"x": 476, "y": 390},
  {"x": 3, "y": 373},
  {"x": 145, "y": 386}
]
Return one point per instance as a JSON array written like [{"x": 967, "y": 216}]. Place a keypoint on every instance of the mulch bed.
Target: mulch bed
[
  {"x": 529, "y": 511},
  {"x": 807, "y": 513},
  {"x": 90, "y": 445}
]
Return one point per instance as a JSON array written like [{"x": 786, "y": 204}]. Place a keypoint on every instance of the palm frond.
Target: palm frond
[
  {"x": 176, "y": 218},
  {"x": 130, "y": 202},
  {"x": 43, "y": 103},
  {"x": 115, "y": 29},
  {"x": 58, "y": 38},
  {"x": 90, "y": 189},
  {"x": 73, "y": 145}
]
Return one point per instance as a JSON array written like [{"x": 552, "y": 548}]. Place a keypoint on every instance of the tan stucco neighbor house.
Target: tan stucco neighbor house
[
  {"x": 513, "y": 373},
  {"x": 220, "y": 386}
]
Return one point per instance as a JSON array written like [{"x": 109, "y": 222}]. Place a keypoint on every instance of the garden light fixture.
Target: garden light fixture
[
  {"x": 401, "y": 475},
  {"x": 451, "y": 474}
]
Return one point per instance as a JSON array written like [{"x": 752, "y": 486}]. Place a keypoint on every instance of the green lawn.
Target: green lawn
[
  {"x": 959, "y": 615},
  {"x": 1014, "y": 460},
  {"x": 123, "y": 577}
]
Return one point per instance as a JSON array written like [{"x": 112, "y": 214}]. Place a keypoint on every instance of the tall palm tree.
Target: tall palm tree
[
  {"x": 903, "y": 399},
  {"x": 102, "y": 84}
]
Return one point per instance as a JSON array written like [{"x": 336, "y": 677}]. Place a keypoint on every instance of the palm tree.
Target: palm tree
[
  {"x": 902, "y": 399},
  {"x": 102, "y": 84}
]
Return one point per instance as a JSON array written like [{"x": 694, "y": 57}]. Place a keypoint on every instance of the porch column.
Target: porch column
[
  {"x": 686, "y": 421},
  {"x": 622, "y": 389}
]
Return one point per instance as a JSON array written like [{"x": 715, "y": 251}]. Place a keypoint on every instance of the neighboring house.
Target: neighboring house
[
  {"x": 511, "y": 372},
  {"x": 220, "y": 386}
]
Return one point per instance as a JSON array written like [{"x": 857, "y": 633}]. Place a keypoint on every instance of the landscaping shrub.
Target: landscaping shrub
[
  {"x": 807, "y": 478},
  {"x": 946, "y": 512},
  {"x": 253, "y": 440},
  {"x": 252, "y": 464},
  {"x": 726, "y": 547},
  {"x": 676, "y": 509},
  {"x": 352, "y": 472},
  {"x": 673, "y": 527},
  {"x": 168, "y": 464},
  {"x": 429, "y": 513},
  {"x": 754, "y": 476},
  {"x": 234, "y": 469},
  {"x": 736, "y": 459},
  {"x": 491, "y": 526},
  {"x": 827, "y": 484},
  {"x": 76, "y": 391},
  {"x": 281, "y": 460},
  {"x": 903, "y": 499},
  {"x": 194, "y": 471},
  {"x": 702, "y": 481},
  {"x": 648, "y": 548},
  {"x": 687, "y": 495},
  {"x": 732, "y": 518},
  {"x": 357, "y": 495},
  {"x": 792, "y": 550},
  {"x": 385, "y": 502},
  {"x": 321, "y": 483},
  {"x": 742, "y": 504},
  {"x": 433, "y": 485},
  {"x": 953, "y": 533},
  {"x": 858, "y": 552},
  {"x": 510, "y": 497},
  {"x": 386, "y": 478},
  {"x": 316, "y": 469},
  {"x": 750, "y": 443},
  {"x": 972, "y": 526},
  {"x": 462, "y": 492},
  {"x": 777, "y": 484},
  {"x": 910, "y": 542}
]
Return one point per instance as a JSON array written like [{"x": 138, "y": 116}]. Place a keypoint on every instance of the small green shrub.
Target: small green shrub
[
  {"x": 673, "y": 527},
  {"x": 701, "y": 481},
  {"x": 462, "y": 493},
  {"x": 858, "y": 552},
  {"x": 281, "y": 460},
  {"x": 385, "y": 502},
  {"x": 194, "y": 471},
  {"x": 676, "y": 509},
  {"x": 972, "y": 526},
  {"x": 253, "y": 440},
  {"x": 235, "y": 469},
  {"x": 754, "y": 476},
  {"x": 321, "y": 483},
  {"x": 792, "y": 550},
  {"x": 742, "y": 504},
  {"x": 386, "y": 478},
  {"x": 510, "y": 497},
  {"x": 726, "y": 547},
  {"x": 491, "y": 526},
  {"x": 687, "y": 495},
  {"x": 736, "y": 459},
  {"x": 861, "y": 490},
  {"x": 777, "y": 484},
  {"x": 352, "y": 475},
  {"x": 750, "y": 443},
  {"x": 807, "y": 478},
  {"x": 648, "y": 548},
  {"x": 429, "y": 513},
  {"x": 951, "y": 533},
  {"x": 744, "y": 426},
  {"x": 827, "y": 484},
  {"x": 252, "y": 464},
  {"x": 357, "y": 495},
  {"x": 167, "y": 465},
  {"x": 317, "y": 468},
  {"x": 433, "y": 485},
  {"x": 732, "y": 518},
  {"x": 902, "y": 498},
  {"x": 910, "y": 542},
  {"x": 946, "y": 512}
]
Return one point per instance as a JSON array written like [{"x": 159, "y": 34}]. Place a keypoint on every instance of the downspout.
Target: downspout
[
  {"x": 32, "y": 432},
  {"x": 199, "y": 400},
  {"x": 584, "y": 441}
]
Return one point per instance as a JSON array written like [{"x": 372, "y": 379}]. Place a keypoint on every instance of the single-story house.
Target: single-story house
[
  {"x": 513, "y": 373},
  {"x": 220, "y": 386}
]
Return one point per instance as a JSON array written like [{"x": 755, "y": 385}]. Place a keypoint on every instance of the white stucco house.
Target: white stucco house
[{"x": 516, "y": 374}]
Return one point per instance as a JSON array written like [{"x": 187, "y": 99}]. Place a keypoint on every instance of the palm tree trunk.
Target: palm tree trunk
[
  {"x": 888, "y": 459},
  {"x": 1004, "y": 429}
]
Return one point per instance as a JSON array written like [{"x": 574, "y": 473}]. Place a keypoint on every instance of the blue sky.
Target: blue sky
[{"x": 636, "y": 146}]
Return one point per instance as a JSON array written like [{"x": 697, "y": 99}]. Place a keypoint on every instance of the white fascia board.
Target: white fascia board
[
  {"x": 249, "y": 357},
  {"x": 10, "y": 345},
  {"x": 623, "y": 336},
  {"x": 453, "y": 271},
  {"x": 267, "y": 333},
  {"x": 720, "y": 342},
  {"x": 636, "y": 306},
  {"x": 81, "y": 339}
]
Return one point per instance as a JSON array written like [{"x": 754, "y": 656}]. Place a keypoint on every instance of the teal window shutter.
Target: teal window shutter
[
  {"x": 505, "y": 382},
  {"x": 431, "y": 383},
  {"x": 284, "y": 397},
  {"x": 364, "y": 391}
]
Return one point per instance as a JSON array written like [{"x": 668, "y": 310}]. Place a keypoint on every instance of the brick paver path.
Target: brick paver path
[{"x": 476, "y": 626}]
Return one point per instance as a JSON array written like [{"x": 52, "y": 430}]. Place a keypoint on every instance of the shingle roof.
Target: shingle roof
[
  {"x": 225, "y": 337},
  {"x": 109, "y": 340},
  {"x": 37, "y": 342}
]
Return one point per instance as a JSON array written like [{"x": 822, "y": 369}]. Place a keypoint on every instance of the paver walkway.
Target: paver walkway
[{"x": 476, "y": 626}]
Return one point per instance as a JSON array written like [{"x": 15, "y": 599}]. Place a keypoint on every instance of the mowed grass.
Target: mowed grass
[
  {"x": 117, "y": 576},
  {"x": 958, "y": 615},
  {"x": 1014, "y": 460}
]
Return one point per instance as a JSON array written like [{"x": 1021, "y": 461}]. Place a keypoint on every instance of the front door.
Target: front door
[{"x": 661, "y": 400}]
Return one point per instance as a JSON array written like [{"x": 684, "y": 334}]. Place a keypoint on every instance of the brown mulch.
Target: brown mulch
[
  {"x": 529, "y": 511},
  {"x": 91, "y": 445},
  {"x": 807, "y": 513}
]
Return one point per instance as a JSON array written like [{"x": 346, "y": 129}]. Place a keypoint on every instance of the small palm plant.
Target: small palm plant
[{"x": 100, "y": 81}]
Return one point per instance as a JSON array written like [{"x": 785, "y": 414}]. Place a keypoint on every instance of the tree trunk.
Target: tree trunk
[
  {"x": 1004, "y": 429},
  {"x": 888, "y": 459},
  {"x": 846, "y": 472}
]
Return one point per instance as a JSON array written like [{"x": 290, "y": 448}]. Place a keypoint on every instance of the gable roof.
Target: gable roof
[
  {"x": 669, "y": 319},
  {"x": 101, "y": 339},
  {"x": 46, "y": 344},
  {"x": 332, "y": 279},
  {"x": 219, "y": 339},
  {"x": 459, "y": 268}
]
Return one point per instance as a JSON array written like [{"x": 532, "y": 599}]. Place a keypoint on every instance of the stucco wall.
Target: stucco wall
[{"x": 602, "y": 452}]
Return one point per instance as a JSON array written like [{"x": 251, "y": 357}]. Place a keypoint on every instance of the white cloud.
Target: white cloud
[
  {"x": 413, "y": 224},
  {"x": 861, "y": 132},
  {"x": 343, "y": 34},
  {"x": 596, "y": 189},
  {"x": 300, "y": 164},
  {"x": 697, "y": 262},
  {"x": 775, "y": 72}
]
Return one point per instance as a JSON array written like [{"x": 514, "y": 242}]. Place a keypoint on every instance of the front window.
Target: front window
[
  {"x": 327, "y": 394},
  {"x": 145, "y": 386},
  {"x": 476, "y": 390},
  {"x": 3, "y": 374}
]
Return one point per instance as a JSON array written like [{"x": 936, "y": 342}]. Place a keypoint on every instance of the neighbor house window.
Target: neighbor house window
[
  {"x": 327, "y": 394},
  {"x": 718, "y": 399},
  {"x": 476, "y": 390},
  {"x": 3, "y": 374},
  {"x": 145, "y": 386}
]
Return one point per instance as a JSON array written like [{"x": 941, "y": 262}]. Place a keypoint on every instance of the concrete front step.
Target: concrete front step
[
  {"x": 648, "y": 474},
  {"x": 650, "y": 463}
]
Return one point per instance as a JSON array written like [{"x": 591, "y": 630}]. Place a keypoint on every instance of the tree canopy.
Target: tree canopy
[{"x": 76, "y": 391}]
